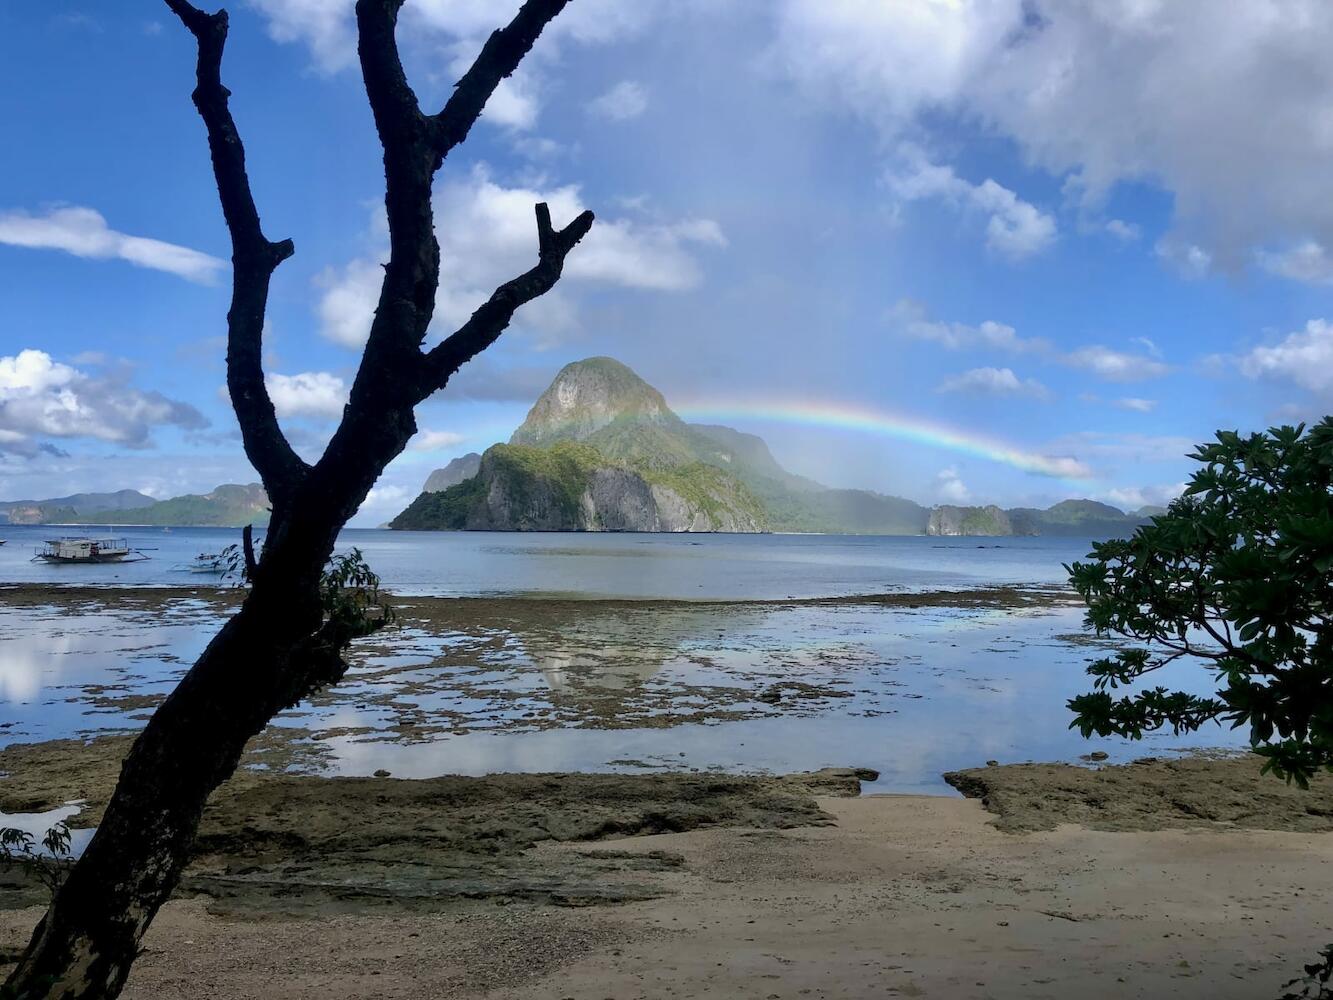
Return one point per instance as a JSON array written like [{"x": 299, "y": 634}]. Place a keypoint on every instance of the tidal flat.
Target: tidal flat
[{"x": 908, "y": 684}]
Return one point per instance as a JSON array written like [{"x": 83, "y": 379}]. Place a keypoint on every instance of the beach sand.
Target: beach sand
[{"x": 886, "y": 896}]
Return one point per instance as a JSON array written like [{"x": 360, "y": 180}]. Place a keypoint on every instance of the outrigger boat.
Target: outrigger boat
[
  {"x": 87, "y": 550},
  {"x": 207, "y": 562}
]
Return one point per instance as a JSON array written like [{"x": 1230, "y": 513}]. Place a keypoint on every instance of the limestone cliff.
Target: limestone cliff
[
  {"x": 951, "y": 520},
  {"x": 573, "y": 487}
]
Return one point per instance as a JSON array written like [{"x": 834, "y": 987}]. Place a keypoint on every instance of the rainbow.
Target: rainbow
[{"x": 847, "y": 417}]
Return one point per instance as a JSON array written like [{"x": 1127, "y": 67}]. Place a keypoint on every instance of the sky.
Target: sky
[{"x": 962, "y": 251}]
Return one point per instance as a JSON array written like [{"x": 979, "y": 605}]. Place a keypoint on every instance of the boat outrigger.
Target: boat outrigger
[
  {"x": 88, "y": 550},
  {"x": 208, "y": 562}
]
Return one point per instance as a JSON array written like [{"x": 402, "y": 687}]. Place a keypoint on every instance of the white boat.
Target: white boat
[
  {"x": 207, "y": 562},
  {"x": 87, "y": 550}
]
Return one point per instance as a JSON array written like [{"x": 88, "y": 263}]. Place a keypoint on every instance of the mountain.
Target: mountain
[
  {"x": 571, "y": 486},
  {"x": 70, "y": 507},
  {"x": 459, "y": 469},
  {"x": 228, "y": 506},
  {"x": 1078, "y": 518},
  {"x": 601, "y": 450}
]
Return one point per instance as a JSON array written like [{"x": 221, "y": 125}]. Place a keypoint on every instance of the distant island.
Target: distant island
[
  {"x": 228, "y": 506},
  {"x": 601, "y": 450}
]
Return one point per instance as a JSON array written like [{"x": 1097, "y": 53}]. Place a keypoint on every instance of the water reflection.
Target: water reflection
[{"x": 476, "y": 687}]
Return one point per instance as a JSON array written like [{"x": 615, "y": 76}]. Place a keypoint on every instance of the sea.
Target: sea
[{"x": 621, "y": 652}]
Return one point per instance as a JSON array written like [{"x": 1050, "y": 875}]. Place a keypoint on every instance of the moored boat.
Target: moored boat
[
  {"x": 87, "y": 550},
  {"x": 207, "y": 562}
]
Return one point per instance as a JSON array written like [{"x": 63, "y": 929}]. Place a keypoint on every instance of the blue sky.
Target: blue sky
[{"x": 1089, "y": 233}]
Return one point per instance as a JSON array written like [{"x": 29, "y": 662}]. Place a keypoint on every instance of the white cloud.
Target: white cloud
[
  {"x": 328, "y": 29},
  {"x": 951, "y": 488},
  {"x": 348, "y": 303},
  {"x": 1131, "y": 448},
  {"x": 1148, "y": 345},
  {"x": 911, "y": 317},
  {"x": 1136, "y": 404},
  {"x": 488, "y": 234},
  {"x": 83, "y": 232},
  {"x": 307, "y": 394},
  {"x": 1304, "y": 357},
  {"x": 1225, "y": 106},
  {"x": 41, "y": 397},
  {"x": 1014, "y": 228},
  {"x": 1131, "y": 498},
  {"x": 1115, "y": 366},
  {"x": 1307, "y": 261},
  {"x": 627, "y": 99},
  {"x": 1125, "y": 232},
  {"x": 435, "y": 440},
  {"x": 994, "y": 382},
  {"x": 1188, "y": 259}
]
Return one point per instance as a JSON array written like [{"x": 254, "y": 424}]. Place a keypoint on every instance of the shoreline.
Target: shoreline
[{"x": 1017, "y": 596}]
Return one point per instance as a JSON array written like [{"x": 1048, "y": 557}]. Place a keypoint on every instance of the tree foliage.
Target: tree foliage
[{"x": 1238, "y": 574}]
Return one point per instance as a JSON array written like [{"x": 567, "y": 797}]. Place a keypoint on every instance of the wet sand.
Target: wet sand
[{"x": 765, "y": 887}]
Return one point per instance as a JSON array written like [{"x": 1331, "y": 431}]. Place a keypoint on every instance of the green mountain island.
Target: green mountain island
[
  {"x": 601, "y": 450},
  {"x": 228, "y": 506}
]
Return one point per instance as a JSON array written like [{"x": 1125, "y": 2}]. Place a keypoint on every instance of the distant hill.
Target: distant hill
[
  {"x": 459, "y": 469},
  {"x": 70, "y": 507},
  {"x": 639, "y": 467},
  {"x": 227, "y": 506},
  {"x": 601, "y": 450}
]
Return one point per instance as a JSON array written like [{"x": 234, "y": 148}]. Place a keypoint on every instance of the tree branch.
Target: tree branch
[
  {"x": 254, "y": 259},
  {"x": 490, "y": 320},
  {"x": 499, "y": 57}
]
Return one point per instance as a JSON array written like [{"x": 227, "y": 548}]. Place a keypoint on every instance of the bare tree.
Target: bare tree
[{"x": 285, "y": 642}]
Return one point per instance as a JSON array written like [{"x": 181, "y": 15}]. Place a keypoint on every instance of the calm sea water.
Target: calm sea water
[
  {"x": 730, "y": 567},
  {"x": 539, "y": 685}
]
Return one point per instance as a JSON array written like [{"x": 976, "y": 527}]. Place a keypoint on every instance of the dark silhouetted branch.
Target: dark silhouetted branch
[
  {"x": 498, "y": 59},
  {"x": 490, "y": 320},
  {"x": 254, "y": 258}
]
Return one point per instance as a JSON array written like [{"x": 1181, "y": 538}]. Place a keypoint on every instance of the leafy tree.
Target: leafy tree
[
  {"x": 46, "y": 860},
  {"x": 1238, "y": 574},
  {"x": 289, "y": 636}
]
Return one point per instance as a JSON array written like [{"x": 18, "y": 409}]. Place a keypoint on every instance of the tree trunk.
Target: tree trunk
[
  {"x": 279, "y": 647},
  {"x": 265, "y": 659}
]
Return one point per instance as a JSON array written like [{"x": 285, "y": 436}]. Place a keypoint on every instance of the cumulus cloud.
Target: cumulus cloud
[
  {"x": 627, "y": 99},
  {"x": 307, "y": 394},
  {"x": 1304, "y": 358},
  {"x": 327, "y": 27},
  {"x": 83, "y": 232},
  {"x": 1125, "y": 232},
  {"x": 994, "y": 382},
  {"x": 1307, "y": 261},
  {"x": 1223, "y": 105},
  {"x": 489, "y": 234},
  {"x": 41, "y": 397},
  {"x": 1189, "y": 260},
  {"x": 1133, "y": 497},
  {"x": 950, "y": 487},
  {"x": 1115, "y": 366},
  {"x": 913, "y": 320},
  {"x": 1014, "y": 228}
]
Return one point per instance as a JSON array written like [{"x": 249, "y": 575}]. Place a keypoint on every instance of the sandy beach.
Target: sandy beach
[{"x": 525, "y": 886}]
